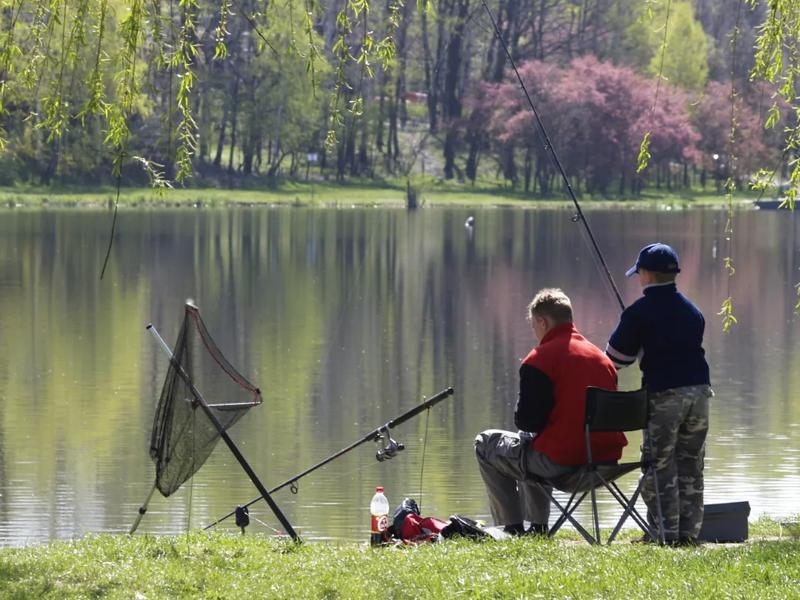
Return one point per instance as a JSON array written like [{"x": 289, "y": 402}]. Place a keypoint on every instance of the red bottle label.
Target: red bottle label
[{"x": 379, "y": 523}]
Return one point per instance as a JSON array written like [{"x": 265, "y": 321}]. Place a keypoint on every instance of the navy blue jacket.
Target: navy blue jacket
[{"x": 668, "y": 330}]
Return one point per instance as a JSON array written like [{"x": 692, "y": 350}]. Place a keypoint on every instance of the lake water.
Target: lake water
[{"x": 346, "y": 318}]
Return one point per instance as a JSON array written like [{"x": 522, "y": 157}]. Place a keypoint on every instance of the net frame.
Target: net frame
[{"x": 182, "y": 440}]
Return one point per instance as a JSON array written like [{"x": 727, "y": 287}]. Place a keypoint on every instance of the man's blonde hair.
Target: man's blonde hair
[{"x": 551, "y": 303}]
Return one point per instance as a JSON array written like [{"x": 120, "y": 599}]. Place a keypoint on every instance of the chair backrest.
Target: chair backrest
[{"x": 608, "y": 410}]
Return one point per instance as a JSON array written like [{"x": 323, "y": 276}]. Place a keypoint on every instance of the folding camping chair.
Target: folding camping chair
[{"x": 607, "y": 410}]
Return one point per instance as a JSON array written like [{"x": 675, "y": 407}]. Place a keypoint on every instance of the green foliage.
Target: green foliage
[
  {"x": 221, "y": 32},
  {"x": 110, "y": 69},
  {"x": 632, "y": 41},
  {"x": 685, "y": 56},
  {"x": 183, "y": 61}
]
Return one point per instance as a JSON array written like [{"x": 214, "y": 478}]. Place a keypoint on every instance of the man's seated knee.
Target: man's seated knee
[{"x": 488, "y": 440}]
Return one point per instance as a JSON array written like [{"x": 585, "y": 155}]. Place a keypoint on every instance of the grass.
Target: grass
[
  {"x": 197, "y": 565},
  {"x": 353, "y": 193}
]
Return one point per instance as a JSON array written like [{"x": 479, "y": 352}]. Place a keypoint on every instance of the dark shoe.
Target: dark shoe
[
  {"x": 688, "y": 542},
  {"x": 537, "y": 529},
  {"x": 646, "y": 539},
  {"x": 514, "y": 529}
]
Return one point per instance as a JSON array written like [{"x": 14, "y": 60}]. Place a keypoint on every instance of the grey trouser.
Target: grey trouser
[
  {"x": 677, "y": 427},
  {"x": 506, "y": 459}
]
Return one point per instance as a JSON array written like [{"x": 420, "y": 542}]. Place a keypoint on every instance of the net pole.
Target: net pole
[
  {"x": 142, "y": 511},
  {"x": 226, "y": 438}
]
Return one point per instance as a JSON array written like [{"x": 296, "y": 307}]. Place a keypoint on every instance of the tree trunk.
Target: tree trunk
[
  {"x": 451, "y": 104},
  {"x": 402, "y": 60},
  {"x": 528, "y": 169},
  {"x": 472, "y": 156},
  {"x": 381, "y": 116},
  {"x": 234, "y": 116},
  {"x": 431, "y": 76},
  {"x": 221, "y": 139},
  {"x": 277, "y": 154}
]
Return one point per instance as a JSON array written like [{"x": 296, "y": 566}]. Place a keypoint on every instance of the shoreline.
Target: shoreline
[{"x": 327, "y": 195}]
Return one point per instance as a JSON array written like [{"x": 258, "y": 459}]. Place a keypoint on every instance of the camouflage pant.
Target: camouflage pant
[{"x": 677, "y": 434}]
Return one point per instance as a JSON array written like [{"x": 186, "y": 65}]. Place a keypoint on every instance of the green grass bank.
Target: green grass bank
[
  {"x": 357, "y": 193},
  {"x": 197, "y": 565}
]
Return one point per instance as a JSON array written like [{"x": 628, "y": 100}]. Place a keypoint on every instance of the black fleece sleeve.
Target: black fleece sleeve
[{"x": 535, "y": 399}]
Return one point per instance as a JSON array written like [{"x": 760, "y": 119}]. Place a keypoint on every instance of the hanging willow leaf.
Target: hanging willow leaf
[
  {"x": 797, "y": 304},
  {"x": 777, "y": 60},
  {"x": 644, "y": 153},
  {"x": 726, "y": 312},
  {"x": 728, "y": 263}
]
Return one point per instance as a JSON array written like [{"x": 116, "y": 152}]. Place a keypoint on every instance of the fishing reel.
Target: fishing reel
[{"x": 392, "y": 447}]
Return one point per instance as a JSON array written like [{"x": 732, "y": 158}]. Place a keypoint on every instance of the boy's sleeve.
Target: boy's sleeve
[
  {"x": 535, "y": 399},
  {"x": 626, "y": 341}
]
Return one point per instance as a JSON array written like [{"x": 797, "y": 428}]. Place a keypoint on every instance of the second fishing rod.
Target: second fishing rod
[
  {"x": 380, "y": 434},
  {"x": 548, "y": 144}
]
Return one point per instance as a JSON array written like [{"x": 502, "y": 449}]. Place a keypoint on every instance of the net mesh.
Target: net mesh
[{"x": 183, "y": 435}]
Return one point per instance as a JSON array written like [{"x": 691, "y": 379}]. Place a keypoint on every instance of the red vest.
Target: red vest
[{"x": 573, "y": 363}]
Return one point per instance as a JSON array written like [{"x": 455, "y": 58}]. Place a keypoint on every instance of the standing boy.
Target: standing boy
[{"x": 667, "y": 329}]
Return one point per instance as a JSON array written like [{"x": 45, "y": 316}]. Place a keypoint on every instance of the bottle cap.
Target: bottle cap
[{"x": 378, "y": 489}]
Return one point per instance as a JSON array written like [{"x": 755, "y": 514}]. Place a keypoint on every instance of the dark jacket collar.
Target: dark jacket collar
[{"x": 660, "y": 289}]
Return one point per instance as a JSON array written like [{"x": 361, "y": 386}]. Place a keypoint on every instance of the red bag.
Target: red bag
[{"x": 418, "y": 529}]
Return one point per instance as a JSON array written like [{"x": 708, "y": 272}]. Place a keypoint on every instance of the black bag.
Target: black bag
[{"x": 465, "y": 527}]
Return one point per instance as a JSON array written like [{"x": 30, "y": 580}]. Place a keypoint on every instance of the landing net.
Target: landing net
[{"x": 183, "y": 436}]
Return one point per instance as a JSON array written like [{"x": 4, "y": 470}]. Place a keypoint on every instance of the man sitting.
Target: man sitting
[{"x": 550, "y": 415}]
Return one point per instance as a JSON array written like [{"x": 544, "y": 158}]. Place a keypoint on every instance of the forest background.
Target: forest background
[{"x": 245, "y": 93}]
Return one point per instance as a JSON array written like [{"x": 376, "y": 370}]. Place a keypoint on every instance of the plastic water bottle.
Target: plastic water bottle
[{"x": 379, "y": 508}]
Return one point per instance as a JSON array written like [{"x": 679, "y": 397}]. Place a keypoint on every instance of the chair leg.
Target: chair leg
[
  {"x": 566, "y": 515},
  {"x": 595, "y": 517},
  {"x": 630, "y": 510},
  {"x": 564, "y": 510},
  {"x": 567, "y": 508}
]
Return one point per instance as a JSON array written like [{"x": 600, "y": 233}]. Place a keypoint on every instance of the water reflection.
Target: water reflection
[{"x": 346, "y": 318}]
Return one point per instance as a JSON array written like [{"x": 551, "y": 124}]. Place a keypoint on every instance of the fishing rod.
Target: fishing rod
[
  {"x": 549, "y": 146},
  {"x": 379, "y": 435}
]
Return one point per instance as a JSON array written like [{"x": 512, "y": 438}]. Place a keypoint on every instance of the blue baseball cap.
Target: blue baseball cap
[{"x": 656, "y": 257}]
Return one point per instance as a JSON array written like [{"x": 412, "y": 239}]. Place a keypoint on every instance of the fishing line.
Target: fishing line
[
  {"x": 252, "y": 22},
  {"x": 270, "y": 527},
  {"x": 360, "y": 469},
  {"x": 556, "y": 161},
  {"x": 424, "y": 447},
  {"x": 113, "y": 225}
]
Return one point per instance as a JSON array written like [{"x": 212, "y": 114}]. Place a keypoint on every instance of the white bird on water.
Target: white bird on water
[{"x": 470, "y": 222}]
